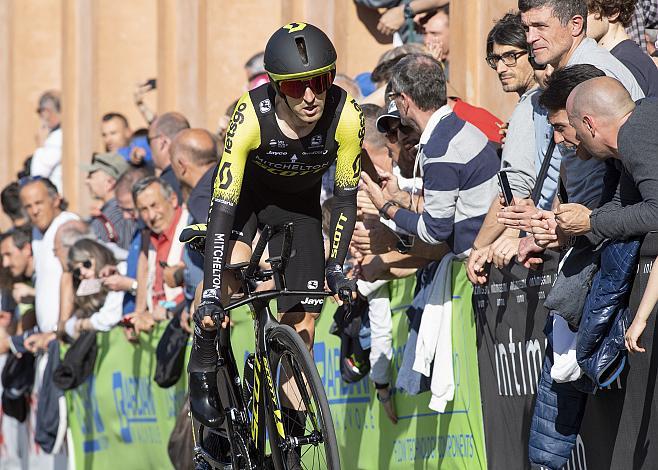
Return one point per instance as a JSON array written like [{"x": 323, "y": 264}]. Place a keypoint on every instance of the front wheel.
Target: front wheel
[{"x": 310, "y": 439}]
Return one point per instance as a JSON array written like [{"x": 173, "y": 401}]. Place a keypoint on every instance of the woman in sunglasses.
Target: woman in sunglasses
[
  {"x": 95, "y": 307},
  {"x": 283, "y": 136}
]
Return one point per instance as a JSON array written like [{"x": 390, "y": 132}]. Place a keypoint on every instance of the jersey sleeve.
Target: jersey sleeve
[
  {"x": 242, "y": 136},
  {"x": 350, "y": 132}
]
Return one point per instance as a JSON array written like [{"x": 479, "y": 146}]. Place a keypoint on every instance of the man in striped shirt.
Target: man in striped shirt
[
  {"x": 457, "y": 162},
  {"x": 109, "y": 225}
]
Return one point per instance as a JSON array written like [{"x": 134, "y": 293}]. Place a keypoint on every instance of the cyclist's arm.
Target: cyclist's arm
[
  {"x": 242, "y": 136},
  {"x": 349, "y": 135}
]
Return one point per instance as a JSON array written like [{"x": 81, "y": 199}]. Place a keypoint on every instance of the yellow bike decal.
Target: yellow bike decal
[{"x": 294, "y": 27}]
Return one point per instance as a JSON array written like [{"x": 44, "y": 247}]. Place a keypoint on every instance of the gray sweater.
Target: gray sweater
[{"x": 634, "y": 209}]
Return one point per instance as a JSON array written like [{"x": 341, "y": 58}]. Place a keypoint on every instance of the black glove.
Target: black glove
[
  {"x": 338, "y": 283},
  {"x": 208, "y": 308}
]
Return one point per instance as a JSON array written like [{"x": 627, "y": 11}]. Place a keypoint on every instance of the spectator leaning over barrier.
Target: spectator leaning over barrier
[
  {"x": 115, "y": 131},
  {"x": 160, "y": 136},
  {"x": 458, "y": 163},
  {"x": 46, "y": 210},
  {"x": 128, "y": 282},
  {"x": 47, "y": 158},
  {"x": 102, "y": 175},
  {"x": 605, "y": 24},
  {"x": 610, "y": 125},
  {"x": 157, "y": 290},
  {"x": 11, "y": 205},
  {"x": 194, "y": 158},
  {"x": 556, "y": 34},
  {"x": 95, "y": 307}
]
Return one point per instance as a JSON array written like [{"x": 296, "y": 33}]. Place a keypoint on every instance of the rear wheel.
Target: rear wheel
[{"x": 310, "y": 439}]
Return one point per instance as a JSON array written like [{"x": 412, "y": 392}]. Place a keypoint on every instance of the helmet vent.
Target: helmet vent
[{"x": 301, "y": 48}]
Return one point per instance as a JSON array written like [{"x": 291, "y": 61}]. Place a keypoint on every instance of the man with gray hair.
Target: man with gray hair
[
  {"x": 161, "y": 134},
  {"x": 457, "y": 162},
  {"x": 47, "y": 158},
  {"x": 160, "y": 270}
]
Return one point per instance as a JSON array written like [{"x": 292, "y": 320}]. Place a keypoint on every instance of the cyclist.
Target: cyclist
[{"x": 282, "y": 137}]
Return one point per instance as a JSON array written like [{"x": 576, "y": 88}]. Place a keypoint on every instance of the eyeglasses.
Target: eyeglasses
[
  {"x": 85, "y": 264},
  {"x": 150, "y": 139},
  {"x": 318, "y": 84},
  {"x": 508, "y": 58}
]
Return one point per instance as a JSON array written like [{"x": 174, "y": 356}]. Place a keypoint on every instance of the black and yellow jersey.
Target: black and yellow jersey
[{"x": 258, "y": 157}]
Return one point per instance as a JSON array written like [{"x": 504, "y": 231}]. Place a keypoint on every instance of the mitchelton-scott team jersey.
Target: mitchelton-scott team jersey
[{"x": 259, "y": 157}]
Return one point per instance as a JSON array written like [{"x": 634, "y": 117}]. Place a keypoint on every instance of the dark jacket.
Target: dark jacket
[{"x": 600, "y": 349}]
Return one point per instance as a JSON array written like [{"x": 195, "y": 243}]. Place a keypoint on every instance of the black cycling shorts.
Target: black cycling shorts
[{"x": 305, "y": 269}]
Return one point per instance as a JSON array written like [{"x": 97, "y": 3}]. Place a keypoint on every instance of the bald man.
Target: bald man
[
  {"x": 162, "y": 131},
  {"x": 194, "y": 158},
  {"x": 610, "y": 125}
]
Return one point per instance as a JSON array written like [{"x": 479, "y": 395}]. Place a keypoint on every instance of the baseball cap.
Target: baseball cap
[
  {"x": 112, "y": 164},
  {"x": 383, "y": 121}
]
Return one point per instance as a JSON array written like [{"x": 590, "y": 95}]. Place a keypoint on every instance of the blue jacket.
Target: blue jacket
[{"x": 600, "y": 349}]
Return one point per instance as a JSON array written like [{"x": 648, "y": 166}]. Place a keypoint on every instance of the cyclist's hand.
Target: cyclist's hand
[
  {"x": 209, "y": 315},
  {"x": 343, "y": 288}
]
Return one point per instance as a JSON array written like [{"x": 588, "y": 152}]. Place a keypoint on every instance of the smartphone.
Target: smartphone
[
  {"x": 505, "y": 188},
  {"x": 151, "y": 83}
]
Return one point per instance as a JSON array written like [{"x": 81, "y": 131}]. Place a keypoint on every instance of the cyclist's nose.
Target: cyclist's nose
[{"x": 309, "y": 96}]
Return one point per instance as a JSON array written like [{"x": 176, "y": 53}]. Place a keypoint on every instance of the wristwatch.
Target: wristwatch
[
  {"x": 408, "y": 11},
  {"x": 384, "y": 209},
  {"x": 133, "y": 287}
]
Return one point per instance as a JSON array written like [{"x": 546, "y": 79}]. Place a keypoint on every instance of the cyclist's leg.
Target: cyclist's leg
[
  {"x": 204, "y": 396},
  {"x": 305, "y": 271}
]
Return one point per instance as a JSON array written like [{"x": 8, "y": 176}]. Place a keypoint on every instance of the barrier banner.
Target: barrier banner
[
  {"x": 620, "y": 427},
  {"x": 510, "y": 318},
  {"x": 120, "y": 418},
  {"x": 617, "y": 426},
  {"x": 422, "y": 438}
]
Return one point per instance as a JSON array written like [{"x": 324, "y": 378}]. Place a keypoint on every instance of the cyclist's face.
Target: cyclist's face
[{"x": 309, "y": 107}]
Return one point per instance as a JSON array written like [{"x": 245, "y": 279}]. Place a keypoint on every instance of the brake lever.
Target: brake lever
[{"x": 345, "y": 295}]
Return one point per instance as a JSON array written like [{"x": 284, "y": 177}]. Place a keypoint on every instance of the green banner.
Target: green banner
[
  {"x": 120, "y": 417},
  {"x": 422, "y": 439}
]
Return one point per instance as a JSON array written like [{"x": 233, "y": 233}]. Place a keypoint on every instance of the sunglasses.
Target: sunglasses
[
  {"x": 318, "y": 85},
  {"x": 85, "y": 264},
  {"x": 29, "y": 179}
]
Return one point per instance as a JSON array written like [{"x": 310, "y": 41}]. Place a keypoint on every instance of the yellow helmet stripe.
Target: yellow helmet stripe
[{"x": 292, "y": 76}]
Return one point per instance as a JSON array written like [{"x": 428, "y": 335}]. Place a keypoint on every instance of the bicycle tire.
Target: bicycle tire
[{"x": 284, "y": 342}]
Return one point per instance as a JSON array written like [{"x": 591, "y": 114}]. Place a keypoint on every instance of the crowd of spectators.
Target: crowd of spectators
[{"x": 576, "y": 151}]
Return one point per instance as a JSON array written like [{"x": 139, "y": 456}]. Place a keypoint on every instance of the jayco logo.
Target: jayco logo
[{"x": 309, "y": 301}]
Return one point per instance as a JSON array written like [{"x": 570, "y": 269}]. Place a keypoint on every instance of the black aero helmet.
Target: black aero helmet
[{"x": 298, "y": 50}]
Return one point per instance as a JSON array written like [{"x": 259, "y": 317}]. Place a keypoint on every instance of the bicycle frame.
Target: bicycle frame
[{"x": 264, "y": 397}]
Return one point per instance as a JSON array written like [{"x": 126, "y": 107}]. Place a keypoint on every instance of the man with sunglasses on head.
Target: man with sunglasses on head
[{"x": 281, "y": 139}]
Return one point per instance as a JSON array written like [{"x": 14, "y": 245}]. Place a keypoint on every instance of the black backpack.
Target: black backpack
[{"x": 354, "y": 360}]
